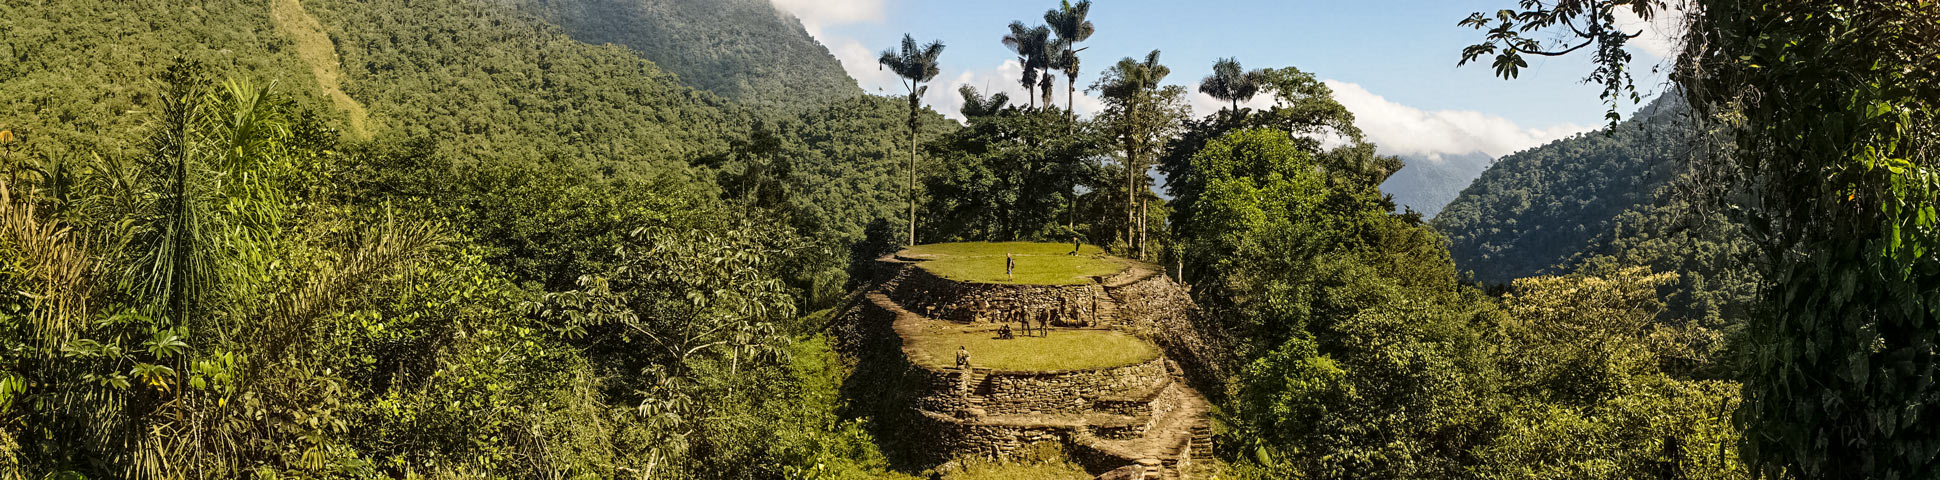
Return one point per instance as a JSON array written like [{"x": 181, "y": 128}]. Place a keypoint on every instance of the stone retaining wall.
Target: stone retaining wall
[
  {"x": 947, "y": 391},
  {"x": 1150, "y": 301},
  {"x": 927, "y": 294},
  {"x": 1068, "y": 392},
  {"x": 954, "y": 437},
  {"x": 1157, "y": 309}
]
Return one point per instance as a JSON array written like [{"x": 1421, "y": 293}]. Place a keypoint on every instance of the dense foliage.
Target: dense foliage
[
  {"x": 479, "y": 290},
  {"x": 1011, "y": 174},
  {"x": 1828, "y": 111},
  {"x": 1357, "y": 352}
]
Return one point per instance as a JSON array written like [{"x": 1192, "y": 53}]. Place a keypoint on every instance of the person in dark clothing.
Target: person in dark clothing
[{"x": 1010, "y": 267}]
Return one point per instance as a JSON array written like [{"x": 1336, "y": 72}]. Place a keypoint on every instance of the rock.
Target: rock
[{"x": 1128, "y": 472}]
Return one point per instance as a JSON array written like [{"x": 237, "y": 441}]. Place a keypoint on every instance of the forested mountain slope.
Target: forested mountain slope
[
  {"x": 1598, "y": 203},
  {"x": 1428, "y": 184},
  {"x": 522, "y": 89},
  {"x": 512, "y": 85},
  {"x": 66, "y": 91},
  {"x": 1535, "y": 209},
  {"x": 745, "y": 50}
]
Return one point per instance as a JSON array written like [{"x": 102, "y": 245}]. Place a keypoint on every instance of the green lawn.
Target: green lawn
[
  {"x": 1037, "y": 263},
  {"x": 1062, "y": 470},
  {"x": 1062, "y": 350}
]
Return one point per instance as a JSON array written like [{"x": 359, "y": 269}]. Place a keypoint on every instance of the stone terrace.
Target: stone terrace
[{"x": 1141, "y": 415}]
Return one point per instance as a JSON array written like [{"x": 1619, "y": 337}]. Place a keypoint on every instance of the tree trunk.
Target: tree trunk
[
  {"x": 911, "y": 189},
  {"x": 1130, "y": 229},
  {"x": 1070, "y": 98},
  {"x": 1143, "y": 232}
]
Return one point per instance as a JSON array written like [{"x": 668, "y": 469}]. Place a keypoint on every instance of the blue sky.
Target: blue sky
[{"x": 1390, "y": 61}]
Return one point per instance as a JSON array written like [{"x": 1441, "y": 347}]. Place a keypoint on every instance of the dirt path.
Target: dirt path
[{"x": 315, "y": 48}]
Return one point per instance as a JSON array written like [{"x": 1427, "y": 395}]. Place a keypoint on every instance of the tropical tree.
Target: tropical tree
[
  {"x": 915, "y": 64},
  {"x": 1231, "y": 83},
  {"x": 1593, "y": 23},
  {"x": 1830, "y": 109},
  {"x": 1069, "y": 23},
  {"x": 1031, "y": 45},
  {"x": 1141, "y": 115}
]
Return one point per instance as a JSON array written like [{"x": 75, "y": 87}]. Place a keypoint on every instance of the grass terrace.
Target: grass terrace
[
  {"x": 1037, "y": 263},
  {"x": 1062, "y": 350}
]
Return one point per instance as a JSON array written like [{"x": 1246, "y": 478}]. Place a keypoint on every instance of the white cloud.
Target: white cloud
[
  {"x": 1398, "y": 129},
  {"x": 816, "y": 14},
  {"x": 857, "y": 59},
  {"x": 1661, "y": 35}
]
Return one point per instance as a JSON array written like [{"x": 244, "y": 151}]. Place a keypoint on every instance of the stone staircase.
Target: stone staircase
[
  {"x": 1106, "y": 313},
  {"x": 1202, "y": 447}
]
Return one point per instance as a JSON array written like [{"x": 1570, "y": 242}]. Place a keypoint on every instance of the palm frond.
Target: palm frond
[
  {"x": 386, "y": 247},
  {"x": 58, "y": 267}
]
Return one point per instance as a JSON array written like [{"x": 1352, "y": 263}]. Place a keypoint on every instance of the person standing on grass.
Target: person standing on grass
[
  {"x": 1042, "y": 315},
  {"x": 963, "y": 358},
  {"x": 1010, "y": 266}
]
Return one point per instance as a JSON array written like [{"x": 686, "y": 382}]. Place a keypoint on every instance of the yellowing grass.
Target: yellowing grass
[
  {"x": 1062, "y": 350},
  {"x": 1037, "y": 263}
]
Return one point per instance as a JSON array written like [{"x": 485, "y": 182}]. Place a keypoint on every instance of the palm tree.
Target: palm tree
[
  {"x": 1031, "y": 45},
  {"x": 1126, "y": 83},
  {"x": 975, "y": 104},
  {"x": 1071, "y": 27},
  {"x": 915, "y": 64},
  {"x": 1231, "y": 83}
]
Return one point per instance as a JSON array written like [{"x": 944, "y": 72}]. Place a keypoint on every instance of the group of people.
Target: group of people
[{"x": 1039, "y": 319}]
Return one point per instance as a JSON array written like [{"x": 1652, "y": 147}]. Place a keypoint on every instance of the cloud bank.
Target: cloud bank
[{"x": 1398, "y": 129}]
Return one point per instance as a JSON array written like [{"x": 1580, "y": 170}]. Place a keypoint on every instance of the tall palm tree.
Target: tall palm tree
[
  {"x": 915, "y": 64},
  {"x": 1071, "y": 27},
  {"x": 1126, "y": 83},
  {"x": 1231, "y": 83},
  {"x": 1031, "y": 45}
]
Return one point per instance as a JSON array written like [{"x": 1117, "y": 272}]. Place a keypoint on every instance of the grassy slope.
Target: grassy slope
[{"x": 314, "y": 48}]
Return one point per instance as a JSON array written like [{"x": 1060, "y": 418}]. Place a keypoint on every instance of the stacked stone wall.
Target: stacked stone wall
[
  {"x": 1151, "y": 301},
  {"x": 1067, "y": 392},
  {"x": 1154, "y": 307},
  {"x": 952, "y": 437},
  {"x": 936, "y": 297}
]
